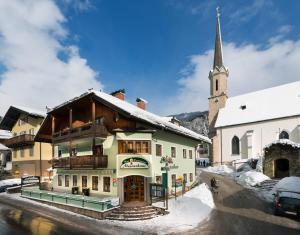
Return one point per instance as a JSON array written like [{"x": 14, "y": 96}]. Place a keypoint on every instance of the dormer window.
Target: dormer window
[{"x": 243, "y": 107}]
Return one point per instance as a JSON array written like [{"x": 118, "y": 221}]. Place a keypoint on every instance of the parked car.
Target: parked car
[
  {"x": 287, "y": 202},
  {"x": 4, "y": 187}
]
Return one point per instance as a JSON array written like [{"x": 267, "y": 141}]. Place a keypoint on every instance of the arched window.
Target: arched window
[
  {"x": 284, "y": 135},
  {"x": 235, "y": 145}
]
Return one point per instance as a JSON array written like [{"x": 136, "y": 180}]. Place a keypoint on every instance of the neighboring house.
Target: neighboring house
[
  {"x": 108, "y": 146},
  {"x": 241, "y": 127},
  {"x": 5, "y": 158},
  {"x": 23, "y": 124},
  {"x": 4, "y": 135}
]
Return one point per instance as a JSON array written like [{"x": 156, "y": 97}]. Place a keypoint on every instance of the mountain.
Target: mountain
[{"x": 196, "y": 121}]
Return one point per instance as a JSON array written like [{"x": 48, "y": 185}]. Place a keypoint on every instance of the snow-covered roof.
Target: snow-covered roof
[
  {"x": 31, "y": 111},
  {"x": 3, "y": 147},
  {"x": 13, "y": 114},
  {"x": 138, "y": 113},
  {"x": 4, "y": 134},
  {"x": 283, "y": 142},
  {"x": 276, "y": 102}
]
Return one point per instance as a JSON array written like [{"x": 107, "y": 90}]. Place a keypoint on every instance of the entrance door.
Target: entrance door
[
  {"x": 281, "y": 168},
  {"x": 134, "y": 188}
]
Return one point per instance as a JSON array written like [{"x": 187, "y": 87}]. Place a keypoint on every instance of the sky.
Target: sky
[{"x": 159, "y": 50}]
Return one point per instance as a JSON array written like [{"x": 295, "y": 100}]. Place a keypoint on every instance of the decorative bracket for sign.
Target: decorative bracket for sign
[{"x": 134, "y": 162}]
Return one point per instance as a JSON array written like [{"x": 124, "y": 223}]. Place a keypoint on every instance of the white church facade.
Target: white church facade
[{"x": 241, "y": 127}]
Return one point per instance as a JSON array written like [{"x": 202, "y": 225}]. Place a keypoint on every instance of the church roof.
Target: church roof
[
  {"x": 218, "y": 56},
  {"x": 272, "y": 103}
]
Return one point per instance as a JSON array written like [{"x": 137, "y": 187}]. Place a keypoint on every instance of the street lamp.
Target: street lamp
[{"x": 166, "y": 161}]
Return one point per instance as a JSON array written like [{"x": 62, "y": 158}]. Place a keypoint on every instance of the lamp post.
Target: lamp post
[{"x": 166, "y": 161}]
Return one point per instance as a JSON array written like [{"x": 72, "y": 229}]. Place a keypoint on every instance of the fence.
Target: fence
[{"x": 90, "y": 203}]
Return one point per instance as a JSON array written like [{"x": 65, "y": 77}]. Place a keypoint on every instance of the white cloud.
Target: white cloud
[
  {"x": 250, "y": 68},
  {"x": 32, "y": 35}
]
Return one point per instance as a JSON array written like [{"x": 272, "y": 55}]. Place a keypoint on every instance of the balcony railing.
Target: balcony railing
[
  {"x": 20, "y": 141},
  {"x": 86, "y": 130},
  {"x": 81, "y": 162}
]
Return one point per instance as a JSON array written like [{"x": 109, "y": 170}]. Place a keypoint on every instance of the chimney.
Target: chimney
[
  {"x": 119, "y": 94},
  {"x": 141, "y": 103}
]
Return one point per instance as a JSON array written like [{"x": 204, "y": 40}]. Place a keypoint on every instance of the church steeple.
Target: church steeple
[{"x": 218, "y": 57}]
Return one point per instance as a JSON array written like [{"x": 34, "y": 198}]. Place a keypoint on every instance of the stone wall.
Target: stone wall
[{"x": 281, "y": 152}]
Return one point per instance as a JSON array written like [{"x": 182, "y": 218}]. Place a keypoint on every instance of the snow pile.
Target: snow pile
[
  {"x": 185, "y": 213},
  {"x": 283, "y": 142},
  {"x": 221, "y": 170},
  {"x": 289, "y": 184},
  {"x": 10, "y": 182},
  {"x": 251, "y": 178}
]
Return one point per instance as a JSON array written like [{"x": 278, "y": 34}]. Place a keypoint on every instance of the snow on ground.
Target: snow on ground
[
  {"x": 221, "y": 170},
  {"x": 251, "y": 178},
  {"x": 10, "y": 182},
  {"x": 185, "y": 213}
]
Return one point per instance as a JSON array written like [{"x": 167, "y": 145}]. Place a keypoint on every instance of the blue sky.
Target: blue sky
[{"x": 161, "y": 50}]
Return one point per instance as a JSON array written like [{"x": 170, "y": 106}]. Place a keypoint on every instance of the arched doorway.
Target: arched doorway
[
  {"x": 134, "y": 188},
  {"x": 282, "y": 168}
]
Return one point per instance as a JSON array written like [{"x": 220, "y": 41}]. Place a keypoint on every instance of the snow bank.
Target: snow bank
[
  {"x": 288, "y": 183},
  {"x": 221, "y": 170},
  {"x": 251, "y": 178},
  {"x": 10, "y": 182},
  {"x": 185, "y": 213}
]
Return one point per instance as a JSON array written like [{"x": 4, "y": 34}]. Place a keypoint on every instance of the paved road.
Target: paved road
[
  {"x": 23, "y": 218},
  {"x": 240, "y": 211}
]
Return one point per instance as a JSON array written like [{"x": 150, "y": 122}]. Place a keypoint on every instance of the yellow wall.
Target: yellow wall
[{"x": 46, "y": 148}]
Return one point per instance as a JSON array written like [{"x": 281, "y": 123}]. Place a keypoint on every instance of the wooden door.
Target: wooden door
[{"x": 134, "y": 188}]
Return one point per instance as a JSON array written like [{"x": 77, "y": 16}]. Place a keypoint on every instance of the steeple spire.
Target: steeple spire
[{"x": 218, "y": 58}]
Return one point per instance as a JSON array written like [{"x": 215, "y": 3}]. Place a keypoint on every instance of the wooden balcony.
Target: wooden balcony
[
  {"x": 87, "y": 130},
  {"x": 81, "y": 162},
  {"x": 20, "y": 141}
]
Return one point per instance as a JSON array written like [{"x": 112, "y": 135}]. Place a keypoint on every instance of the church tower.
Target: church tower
[{"x": 218, "y": 93}]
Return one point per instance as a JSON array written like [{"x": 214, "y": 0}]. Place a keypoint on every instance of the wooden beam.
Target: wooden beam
[
  {"x": 93, "y": 111},
  {"x": 70, "y": 118}
]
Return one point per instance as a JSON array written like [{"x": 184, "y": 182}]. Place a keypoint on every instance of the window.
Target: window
[
  {"x": 106, "y": 184},
  {"x": 158, "y": 150},
  {"x": 15, "y": 153},
  {"x": 95, "y": 183},
  {"x": 173, "y": 152},
  {"x": 74, "y": 180},
  {"x": 31, "y": 131},
  {"x": 31, "y": 151},
  {"x": 217, "y": 85},
  {"x": 22, "y": 132},
  {"x": 22, "y": 152},
  {"x": 190, "y": 154},
  {"x": 284, "y": 135},
  {"x": 191, "y": 177},
  {"x": 67, "y": 181},
  {"x": 59, "y": 180},
  {"x": 59, "y": 153},
  {"x": 173, "y": 180},
  {"x": 73, "y": 152},
  {"x": 134, "y": 147},
  {"x": 99, "y": 121},
  {"x": 235, "y": 145},
  {"x": 84, "y": 181},
  {"x": 184, "y": 153},
  {"x": 158, "y": 179},
  {"x": 184, "y": 178}
]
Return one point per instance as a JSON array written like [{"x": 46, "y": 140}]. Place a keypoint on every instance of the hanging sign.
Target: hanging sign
[{"x": 135, "y": 162}]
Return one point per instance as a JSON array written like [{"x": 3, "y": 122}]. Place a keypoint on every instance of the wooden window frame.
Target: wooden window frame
[
  {"x": 67, "y": 182},
  {"x": 191, "y": 177},
  {"x": 104, "y": 186},
  {"x": 190, "y": 154},
  {"x": 96, "y": 188},
  {"x": 184, "y": 153},
  {"x": 173, "y": 147},
  {"x": 123, "y": 147},
  {"x": 82, "y": 181},
  {"x": 59, "y": 180},
  {"x": 75, "y": 185},
  {"x": 161, "y": 150}
]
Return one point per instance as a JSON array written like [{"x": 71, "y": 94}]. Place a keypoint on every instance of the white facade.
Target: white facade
[{"x": 253, "y": 137}]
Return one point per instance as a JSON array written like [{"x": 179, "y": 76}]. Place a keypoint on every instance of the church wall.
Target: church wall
[{"x": 253, "y": 137}]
